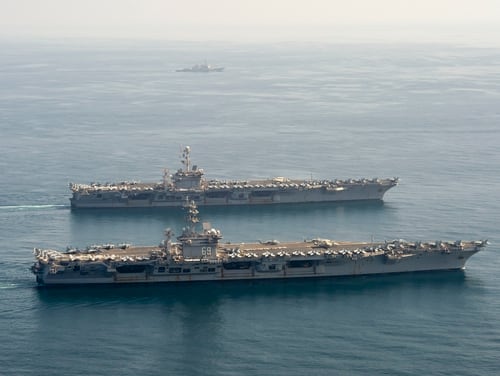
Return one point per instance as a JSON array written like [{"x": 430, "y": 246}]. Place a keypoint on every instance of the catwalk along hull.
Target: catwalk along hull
[
  {"x": 198, "y": 256},
  {"x": 189, "y": 183}
]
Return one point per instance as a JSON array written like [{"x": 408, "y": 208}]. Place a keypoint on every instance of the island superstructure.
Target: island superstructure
[
  {"x": 198, "y": 255},
  {"x": 189, "y": 182}
]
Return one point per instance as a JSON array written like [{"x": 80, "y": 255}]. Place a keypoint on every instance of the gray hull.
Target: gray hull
[
  {"x": 190, "y": 184},
  {"x": 318, "y": 265},
  {"x": 359, "y": 191},
  {"x": 366, "y": 266},
  {"x": 200, "y": 256}
]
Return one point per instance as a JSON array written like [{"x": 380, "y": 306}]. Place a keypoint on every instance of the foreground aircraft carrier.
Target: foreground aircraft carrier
[{"x": 198, "y": 256}]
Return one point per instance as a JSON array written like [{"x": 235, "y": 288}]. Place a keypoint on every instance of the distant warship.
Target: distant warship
[
  {"x": 190, "y": 183},
  {"x": 201, "y": 68},
  {"x": 198, "y": 256}
]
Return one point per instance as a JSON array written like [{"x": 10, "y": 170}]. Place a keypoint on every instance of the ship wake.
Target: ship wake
[{"x": 32, "y": 207}]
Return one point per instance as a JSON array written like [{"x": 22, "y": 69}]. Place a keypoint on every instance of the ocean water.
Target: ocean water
[{"x": 85, "y": 111}]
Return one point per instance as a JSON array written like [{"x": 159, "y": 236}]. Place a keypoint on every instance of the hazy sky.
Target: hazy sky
[{"x": 471, "y": 20}]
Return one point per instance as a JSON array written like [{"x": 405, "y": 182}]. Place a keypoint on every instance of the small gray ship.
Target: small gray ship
[
  {"x": 189, "y": 182},
  {"x": 198, "y": 255},
  {"x": 203, "y": 68}
]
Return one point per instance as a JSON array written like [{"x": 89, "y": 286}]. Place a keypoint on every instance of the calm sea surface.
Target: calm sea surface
[{"x": 93, "y": 111}]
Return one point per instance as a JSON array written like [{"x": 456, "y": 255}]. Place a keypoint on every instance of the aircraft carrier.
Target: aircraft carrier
[
  {"x": 189, "y": 183},
  {"x": 198, "y": 255}
]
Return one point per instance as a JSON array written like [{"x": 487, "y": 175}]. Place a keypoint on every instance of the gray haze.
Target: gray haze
[{"x": 464, "y": 21}]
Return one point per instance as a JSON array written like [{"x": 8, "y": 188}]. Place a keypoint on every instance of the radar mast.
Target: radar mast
[
  {"x": 191, "y": 217},
  {"x": 186, "y": 159}
]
